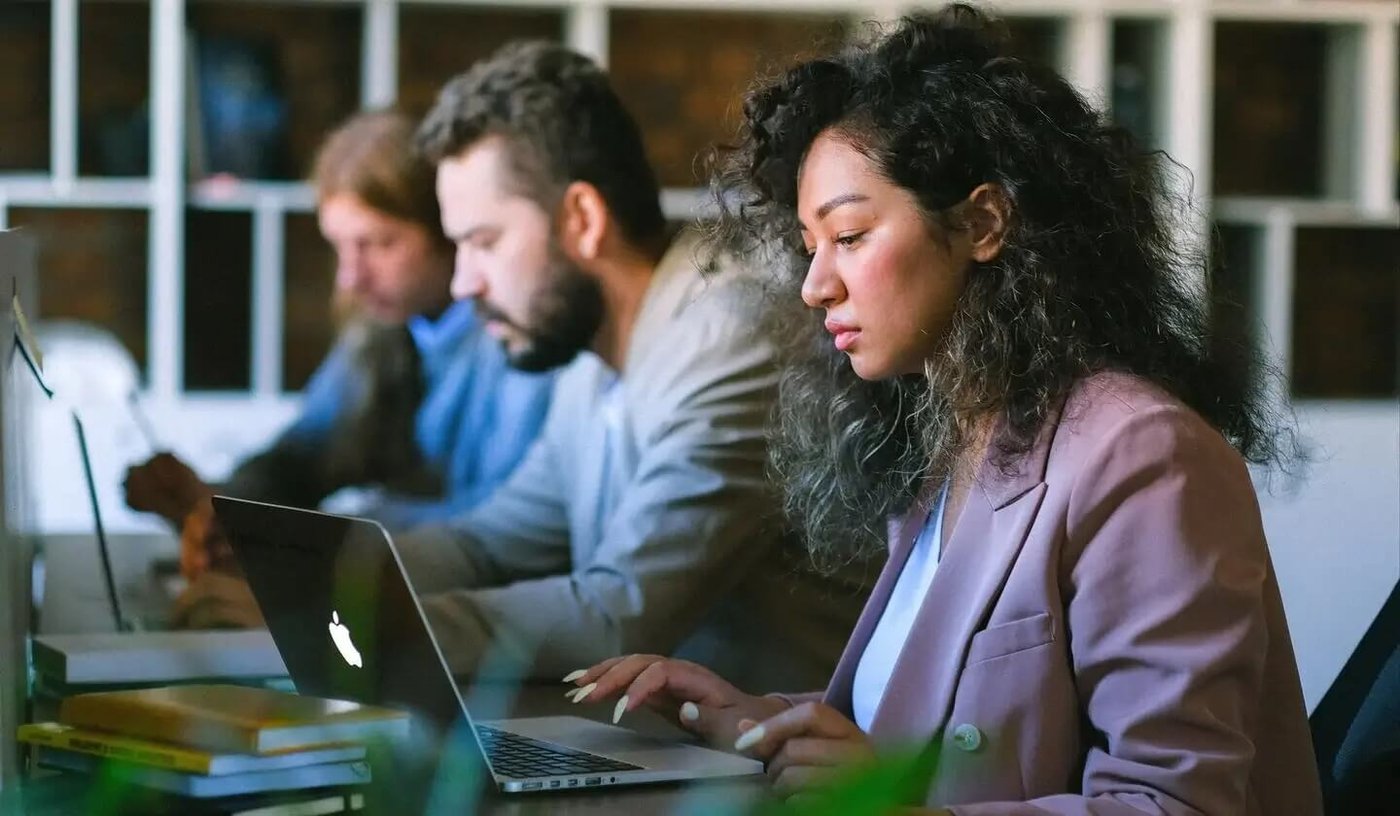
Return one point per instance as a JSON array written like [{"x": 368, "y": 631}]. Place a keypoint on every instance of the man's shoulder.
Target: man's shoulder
[
  {"x": 580, "y": 380},
  {"x": 699, "y": 340},
  {"x": 700, "y": 290}
]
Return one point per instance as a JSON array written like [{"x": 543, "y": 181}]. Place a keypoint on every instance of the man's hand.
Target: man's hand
[
  {"x": 216, "y": 600},
  {"x": 203, "y": 545},
  {"x": 166, "y": 486}
]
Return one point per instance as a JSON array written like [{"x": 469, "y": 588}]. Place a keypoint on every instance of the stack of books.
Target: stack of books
[
  {"x": 72, "y": 664},
  {"x": 204, "y": 741}
]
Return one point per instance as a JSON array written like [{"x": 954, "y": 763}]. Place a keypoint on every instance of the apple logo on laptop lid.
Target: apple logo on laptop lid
[{"x": 340, "y": 635}]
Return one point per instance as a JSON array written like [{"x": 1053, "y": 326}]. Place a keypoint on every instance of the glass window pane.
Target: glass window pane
[
  {"x": 1138, "y": 88},
  {"x": 1036, "y": 39},
  {"x": 273, "y": 79},
  {"x": 1234, "y": 268},
  {"x": 24, "y": 95},
  {"x": 218, "y": 300},
  {"x": 1346, "y": 313},
  {"x": 114, "y": 70},
  {"x": 438, "y": 42},
  {"x": 308, "y": 324},
  {"x": 92, "y": 267},
  {"x": 1268, "y": 108},
  {"x": 683, "y": 74}
]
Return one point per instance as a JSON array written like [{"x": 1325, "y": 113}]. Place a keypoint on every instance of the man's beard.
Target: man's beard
[{"x": 564, "y": 318}]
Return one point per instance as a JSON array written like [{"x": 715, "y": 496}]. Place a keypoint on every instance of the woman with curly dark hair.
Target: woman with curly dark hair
[{"x": 1078, "y": 613}]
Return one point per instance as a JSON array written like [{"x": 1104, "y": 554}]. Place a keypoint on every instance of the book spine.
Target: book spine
[
  {"x": 170, "y": 725},
  {"x": 116, "y": 748}
]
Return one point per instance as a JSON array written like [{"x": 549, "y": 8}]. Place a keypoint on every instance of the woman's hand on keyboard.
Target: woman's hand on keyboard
[{"x": 688, "y": 693}]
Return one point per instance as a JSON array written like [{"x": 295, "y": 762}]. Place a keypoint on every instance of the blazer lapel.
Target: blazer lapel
[
  {"x": 979, "y": 556},
  {"x": 902, "y": 532},
  {"x": 986, "y": 540}
]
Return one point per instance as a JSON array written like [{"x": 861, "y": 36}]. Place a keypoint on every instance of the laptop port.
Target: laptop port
[
  {"x": 532, "y": 785},
  {"x": 554, "y": 783},
  {"x": 593, "y": 780},
  {"x": 573, "y": 783}
]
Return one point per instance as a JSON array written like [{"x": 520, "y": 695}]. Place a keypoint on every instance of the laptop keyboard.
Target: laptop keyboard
[{"x": 520, "y": 757}]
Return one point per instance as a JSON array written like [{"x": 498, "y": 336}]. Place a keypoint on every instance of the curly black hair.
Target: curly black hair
[
  {"x": 562, "y": 123},
  {"x": 1093, "y": 274}
]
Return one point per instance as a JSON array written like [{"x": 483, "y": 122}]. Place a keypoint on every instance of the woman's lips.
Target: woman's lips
[{"x": 845, "y": 334}]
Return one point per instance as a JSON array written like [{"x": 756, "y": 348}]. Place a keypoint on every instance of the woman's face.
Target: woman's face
[
  {"x": 391, "y": 268},
  {"x": 888, "y": 285}
]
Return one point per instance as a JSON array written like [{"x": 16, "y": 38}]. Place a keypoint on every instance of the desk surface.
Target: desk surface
[{"x": 74, "y": 592}]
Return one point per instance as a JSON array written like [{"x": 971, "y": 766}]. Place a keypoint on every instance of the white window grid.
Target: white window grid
[{"x": 1359, "y": 169}]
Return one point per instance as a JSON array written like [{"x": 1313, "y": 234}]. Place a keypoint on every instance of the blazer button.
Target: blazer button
[{"x": 967, "y": 737}]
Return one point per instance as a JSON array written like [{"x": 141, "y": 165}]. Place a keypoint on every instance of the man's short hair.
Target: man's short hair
[{"x": 561, "y": 122}]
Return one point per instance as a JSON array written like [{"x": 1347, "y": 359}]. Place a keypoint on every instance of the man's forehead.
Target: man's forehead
[
  {"x": 484, "y": 161},
  {"x": 468, "y": 191}
]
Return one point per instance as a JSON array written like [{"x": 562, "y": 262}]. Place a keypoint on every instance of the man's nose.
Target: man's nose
[
  {"x": 351, "y": 273},
  {"x": 467, "y": 281}
]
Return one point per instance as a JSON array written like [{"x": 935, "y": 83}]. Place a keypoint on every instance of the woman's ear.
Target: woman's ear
[
  {"x": 988, "y": 217},
  {"x": 583, "y": 221}
]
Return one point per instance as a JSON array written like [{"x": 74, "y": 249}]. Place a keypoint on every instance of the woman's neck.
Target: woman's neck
[{"x": 965, "y": 471}]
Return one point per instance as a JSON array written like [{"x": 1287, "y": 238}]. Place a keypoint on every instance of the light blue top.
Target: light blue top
[
  {"x": 476, "y": 419},
  {"x": 877, "y": 662}
]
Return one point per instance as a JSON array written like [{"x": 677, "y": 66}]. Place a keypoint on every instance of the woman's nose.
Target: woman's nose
[{"x": 822, "y": 286}]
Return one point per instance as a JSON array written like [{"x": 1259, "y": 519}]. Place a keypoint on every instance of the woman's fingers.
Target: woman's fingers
[
  {"x": 801, "y": 752},
  {"x": 605, "y": 680},
  {"x": 802, "y": 778},
  {"x": 805, "y": 720},
  {"x": 662, "y": 684},
  {"x": 583, "y": 677},
  {"x": 645, "y": 690}
]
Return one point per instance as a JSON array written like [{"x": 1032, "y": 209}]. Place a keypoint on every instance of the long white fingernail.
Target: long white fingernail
[
  {"x": 584, "y": 692},
  {"x": 690, "y": 712},
  {"x": 750, "y": 738},
  {"x": 574, "y": 675},
  {"x": 619, "y": 709}
]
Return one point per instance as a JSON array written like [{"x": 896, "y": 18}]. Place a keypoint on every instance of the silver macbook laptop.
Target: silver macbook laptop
[{"x": 349, "y": 626}]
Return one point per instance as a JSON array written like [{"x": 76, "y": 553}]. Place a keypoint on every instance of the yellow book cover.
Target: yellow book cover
[
  {"x": 175, "y": 757},
  {"x": 228, "y": 718}
]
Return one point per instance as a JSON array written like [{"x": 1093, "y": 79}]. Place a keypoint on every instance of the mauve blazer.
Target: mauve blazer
[{"x": 1104, "y": 634}]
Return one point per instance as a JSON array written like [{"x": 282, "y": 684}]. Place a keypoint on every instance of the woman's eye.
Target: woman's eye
[{"x": 849, "y": 239}]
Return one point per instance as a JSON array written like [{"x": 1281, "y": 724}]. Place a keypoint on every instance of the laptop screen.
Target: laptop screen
[
  {"x": 340, "y": 608},
  {"x": 118, "y": 618}
]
